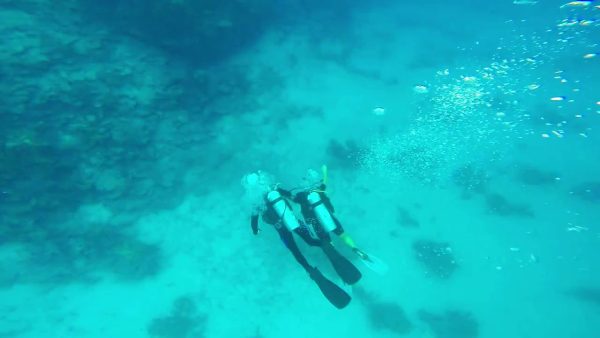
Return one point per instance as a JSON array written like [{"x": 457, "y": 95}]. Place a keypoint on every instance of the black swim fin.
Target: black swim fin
[
  {"x": 345, "y": 269},
  {"x": 336, "y": 295}
]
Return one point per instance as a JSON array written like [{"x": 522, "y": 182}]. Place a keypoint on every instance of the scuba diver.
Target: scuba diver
[
  {"x": 276, "y": 210},
  {"x": 317, "y": 211}
]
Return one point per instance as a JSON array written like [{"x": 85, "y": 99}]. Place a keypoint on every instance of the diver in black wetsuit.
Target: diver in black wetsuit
[
  {"x": 282, "y": 222},
  {"x": 276, "y": 209}
]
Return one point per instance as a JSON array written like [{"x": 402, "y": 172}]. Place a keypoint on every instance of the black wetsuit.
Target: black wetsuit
[
  {"x": 344, "y": 268},
  {"x": 270, "y": 216}
]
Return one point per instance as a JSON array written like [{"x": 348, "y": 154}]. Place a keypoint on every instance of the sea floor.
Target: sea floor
[{"x": 438, "y": 165}]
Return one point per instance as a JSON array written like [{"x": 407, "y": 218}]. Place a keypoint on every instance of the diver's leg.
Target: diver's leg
[
  {"x": 336, "y": 295},
  {"x": 288, "y": 239}
]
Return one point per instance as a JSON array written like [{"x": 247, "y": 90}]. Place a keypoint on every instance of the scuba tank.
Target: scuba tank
[
  {"x": 282, "y": 209},
  {"x": 321, "y": 211}
]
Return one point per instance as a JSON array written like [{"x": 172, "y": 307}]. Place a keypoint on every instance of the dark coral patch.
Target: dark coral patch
[
  {"x": 501, "y": 206},
  {"x": 384, "y": 315},
  {"x": 182, "y": 322},
  {"x": 436, "y": 257},
  {"x": 406, "y": 219},
  {"x": 589, "y": 295},
  {"x": 451, "y": 324},
  {"x": 534, "y": 176},
  {"x": 589, "y": 191}
]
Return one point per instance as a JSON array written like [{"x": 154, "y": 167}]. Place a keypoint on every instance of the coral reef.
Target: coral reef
[
  {"x": 75, "y": 255},
  {"x": 200, "y": 32},
  {"x": 436, "y": 257},
  {"x": 94, "y": 117}
]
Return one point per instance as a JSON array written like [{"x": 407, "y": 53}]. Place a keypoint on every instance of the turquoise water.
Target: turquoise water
[{"x": 461, "y": 139}]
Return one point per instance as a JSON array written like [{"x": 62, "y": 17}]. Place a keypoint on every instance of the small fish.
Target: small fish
[
  {"x": 379, "y": 111},
  {"x": 421, "y": 89},
  {"x": 558, "y": 98},
  {"x": 525, "y": 2},
  {"x": 586, "y": 22},
  {"x": 577, "y": 4},
  {"x": 444, "y": 72},
  {"x": 533, "y": 86},
  {"x": 533, "y": 258},
  {"x": 590, "y": 55},
  {"x": 567, "y": 23}
]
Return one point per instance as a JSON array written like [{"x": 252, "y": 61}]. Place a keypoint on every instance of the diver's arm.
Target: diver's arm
[
  {"x": 288, "y": 240},
  {"x": 285, "y": 193}
]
